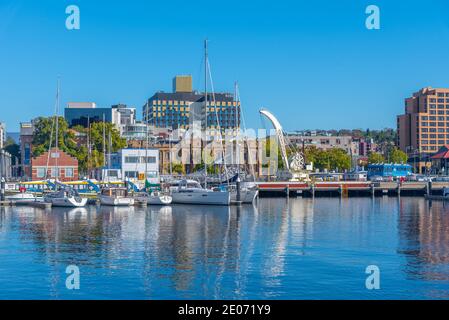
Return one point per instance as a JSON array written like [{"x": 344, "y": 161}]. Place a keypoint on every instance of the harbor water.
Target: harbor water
[{"x": 277, "y": 249}]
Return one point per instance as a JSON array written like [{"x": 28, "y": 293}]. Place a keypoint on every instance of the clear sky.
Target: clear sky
[{"x": 312, "y": 63}]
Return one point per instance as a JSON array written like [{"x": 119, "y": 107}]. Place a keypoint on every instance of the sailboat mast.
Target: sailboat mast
[
  {"x": 57, "y": 131},
  {"x": 238, "y": 129},
  {"x": 104, "y": 140},
  {"x": 205, "y": 107},
  {"x": 146, "y": 149}
]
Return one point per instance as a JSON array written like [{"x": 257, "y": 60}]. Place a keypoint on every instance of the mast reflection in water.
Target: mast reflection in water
[{"x": 278, "y": 249}]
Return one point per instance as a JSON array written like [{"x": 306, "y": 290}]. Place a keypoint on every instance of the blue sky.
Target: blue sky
[{"x": 312, "y": 63}]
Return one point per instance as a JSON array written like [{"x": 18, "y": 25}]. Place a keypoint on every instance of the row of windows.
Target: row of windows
[
  {"x": 137, "y": 159},
  {"x": 435, "y": 129},
  {"x": 438, "y": 142},
  {"x": 135, "y": 174},
  {"x": 433, "y": 124},
  {"x": 439, "y": 100},
  {"x": 183, "y": 103},
  {"x": 435, "y": 118},
  {"x": 434, "y": 136},
  {"x": 55, "y": 172}
]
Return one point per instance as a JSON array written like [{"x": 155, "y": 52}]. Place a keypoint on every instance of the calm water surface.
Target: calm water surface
[{"x": 277, "y": 249}]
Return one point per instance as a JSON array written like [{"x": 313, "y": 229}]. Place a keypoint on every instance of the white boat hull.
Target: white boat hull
[
  {"x": 160, "y": 200},
  {"x": 246, "y": 195},
  {"x": 116, "y": 201},
  {"x": 23, "y": 198},
  {"x": 202, "y": 197},
  {"x": 66, "y": 202}
]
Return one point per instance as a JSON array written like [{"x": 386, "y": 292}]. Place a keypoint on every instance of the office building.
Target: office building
[
  {"x": 84, "y": 113},
  {"x": 176, "y": 109},
  {"x": 130, "y": 164},
  {"x": 325, "y": 142},
  {"x": 127, "y": 114},
  {"x": 424, "y": 127}
]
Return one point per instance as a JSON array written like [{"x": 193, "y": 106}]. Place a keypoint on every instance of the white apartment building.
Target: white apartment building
[{"x": 132, "y": 163}]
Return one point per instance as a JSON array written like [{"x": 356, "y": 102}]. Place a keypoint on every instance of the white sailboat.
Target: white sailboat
[
  {"x": 115, "y": 197},
  {"x": 152, "y": 197},
  {"x": 191, "y": 192},
  {"x": 65, "y": 196},
  {"x": 248, "y": 191}
]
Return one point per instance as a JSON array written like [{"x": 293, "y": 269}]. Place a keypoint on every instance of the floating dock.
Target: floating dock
[{"x": 350, "y": 188}]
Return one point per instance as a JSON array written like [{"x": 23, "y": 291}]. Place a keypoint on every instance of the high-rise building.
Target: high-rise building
[
  {"x": 83, "y": 113},
  {"x": 174, "y": 110},
  {"x": 424, "y": 127}
]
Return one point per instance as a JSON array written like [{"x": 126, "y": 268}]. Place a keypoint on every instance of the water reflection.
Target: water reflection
[
  {"x": 278, "y": 248},
  {"x": 424, "y": 239}
]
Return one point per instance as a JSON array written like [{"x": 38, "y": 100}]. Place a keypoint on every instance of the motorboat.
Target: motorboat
[
  {"x": 65, "y": 197},
  {"x": 23, "y": 198},
  {"x": 191, "y": 192},
  {"x": 115, "y": 196},
  {"x": 154, "y": 198}
]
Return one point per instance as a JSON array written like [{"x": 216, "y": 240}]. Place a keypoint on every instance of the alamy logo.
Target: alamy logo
[
  {"x": 73, "y": 20},
  {"x": 373, "y": 280},
  {"x": 372, "y": 22},
  {"x": 73, "y": 280}
]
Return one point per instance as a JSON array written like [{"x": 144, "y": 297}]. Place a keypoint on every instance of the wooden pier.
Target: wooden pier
[{"x": 350, "y": 188}]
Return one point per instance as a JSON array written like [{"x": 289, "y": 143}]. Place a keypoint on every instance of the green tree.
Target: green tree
[
  {"x": 14, "y": 150},
  {"x": 375, "y": 157},
  {"x": 178, "y": 168},
  {"x": 397, "y": 156},
  {"x": 45, "y": 130},
  {"x": 66, "y": 142}
]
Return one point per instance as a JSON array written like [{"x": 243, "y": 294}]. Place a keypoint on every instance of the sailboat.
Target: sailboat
[
  {"x": 190, "y": 191},
  {"x": 151, "y": 197},
  {"x": 244, "y": 192},
  {"x": 64, "y": 196},
  {"x": 115, "y": 196}
]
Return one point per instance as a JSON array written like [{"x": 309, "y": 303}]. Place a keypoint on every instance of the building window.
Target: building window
[
  {"x": 41, "y": 172},
  {"x": 149, "y": 160},
  {"x": 131, "y": 159},
  {"x": 54, "y": 172},
  {"x": 69, "y": 172},
  {"x": 131, "y": 174}
]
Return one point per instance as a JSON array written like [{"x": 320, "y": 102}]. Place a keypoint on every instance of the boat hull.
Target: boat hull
[
  {"x": 202, "y": 198},
  {"x": 23, "y": 198},
  {"x": 246, "y": 196},
  {"x": 66, "y": 202},
  {"x": 116, "y": 202}
]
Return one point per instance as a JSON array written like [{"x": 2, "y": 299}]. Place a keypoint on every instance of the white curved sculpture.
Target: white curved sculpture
[
  {"x": 297, "y": 164},
  {"x": 280, "y": 135}
]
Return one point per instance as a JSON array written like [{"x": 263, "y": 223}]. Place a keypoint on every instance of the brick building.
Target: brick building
[{"x": 61, "y": 166}]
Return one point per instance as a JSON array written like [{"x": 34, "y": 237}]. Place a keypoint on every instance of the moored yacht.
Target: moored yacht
[
  {"x": 191, "y": 192},
  {"x": 154, "y": 198},
  {"x": 248, "y": 192},
  {"x": 115, "y": 197},
  {"x": 65, "y": 197}
]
